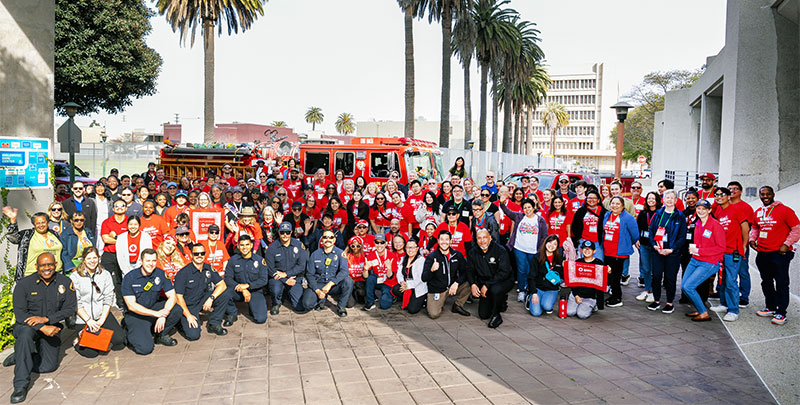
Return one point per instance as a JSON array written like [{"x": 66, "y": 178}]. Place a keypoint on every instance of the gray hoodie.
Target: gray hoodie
[{"x": 88, "y": 297}]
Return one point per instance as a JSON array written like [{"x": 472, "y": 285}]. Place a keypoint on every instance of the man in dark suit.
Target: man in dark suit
[{"x": 79, "y": 202}]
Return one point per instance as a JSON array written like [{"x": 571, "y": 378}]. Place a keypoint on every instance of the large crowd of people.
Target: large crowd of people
[{"x": 144, "y": 244}]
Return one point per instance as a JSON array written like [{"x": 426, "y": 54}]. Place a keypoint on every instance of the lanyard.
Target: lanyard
[
  {"x": 480, "y": 223},
  {"x": 770, "y": 210},
  {"x": 650, "y": 217},
  {"x": 662, "y": 218}
]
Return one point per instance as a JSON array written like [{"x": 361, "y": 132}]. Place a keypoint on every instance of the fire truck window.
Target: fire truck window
[
  {"x": 382, "y": 164},
  {"x": 315, "y": 161},
  {"x": 346, "y": 162}
]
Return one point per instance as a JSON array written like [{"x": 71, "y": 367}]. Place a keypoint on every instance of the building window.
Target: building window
[
  {"x": 345, "y": 161},
  {"x": 316, "y": 160},
  {"x": 382, "y": 164}
]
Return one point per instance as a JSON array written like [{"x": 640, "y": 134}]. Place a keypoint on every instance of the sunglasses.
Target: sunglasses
[
  {"x": 720, "y": 195},
  {"x": 355, "y": 246},
  {"x": 282, "y": 194},
  {"x": 563, "y": 181},
  {"x": 489, "y": 177},
  {"x": 285, "y": 232},
  {"x": 379, "y": 243},
  {"x": 452, "y": 213},
  {"x": 213, "y": 232},
  {"x": 182, "y": 234},
  {"x": 96, "y": 287},
  {"x": 77, "y": 188},
  {"x": 55, "y": 209},
  {"x": 198, "y": 254},
  {"x": 485, "y": 195},
  {"x": 78, "y": 220},
  {"x": 328, "y": 237}
]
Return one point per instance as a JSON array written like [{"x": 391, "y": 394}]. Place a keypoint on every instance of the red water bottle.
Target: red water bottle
[{"x": 562, "y": 308}]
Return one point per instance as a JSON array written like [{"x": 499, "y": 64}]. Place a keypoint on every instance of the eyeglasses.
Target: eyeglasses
[
  {"x": 452, "y": 214},
  {"x": 198, "y": 254},
  {"x": 719, "y": 195},
  {"x": 79, "y": 220},
  {"x": 213, "y": 232},
  {"x": 635, "y": 188},
  {"x": 77, "y": 188},
  {"x": 355, "y": 246}
]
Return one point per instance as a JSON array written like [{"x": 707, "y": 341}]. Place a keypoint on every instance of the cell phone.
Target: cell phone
[{"x": 93, "y": 333}]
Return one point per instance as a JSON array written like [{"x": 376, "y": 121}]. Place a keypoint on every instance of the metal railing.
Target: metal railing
[
  {"x": 99, "y": 158},
  {"x": 478, "y": 163}
]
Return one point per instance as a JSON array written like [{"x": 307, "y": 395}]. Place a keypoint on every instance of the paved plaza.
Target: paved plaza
[{"x": 625, "y": 355}]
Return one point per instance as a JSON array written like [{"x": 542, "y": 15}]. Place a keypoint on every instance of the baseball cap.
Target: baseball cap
[
  {"x": 450, "y": 209},
  {"x": 362, "y": 222},
  {"x": 297, "y": 204},
  {"x": 271, "y": 181},
  {"x": 181, "y": 193},
  {"x": 379, "y": 237},
  {"x": 294, "y": 169},
  {"x": 203, "y": 179},
  {"x": 172, "y": 184},
  {"x": 252, "y": 180},
  {"x": 235, "y": 189},
  {"x": 704, "y": 203},
  {"x": 284, "y": 227},
  {"x": 709, "y": 175},
  {"x": 587, "y": 244},
  {"x": 181, "y": 230},
  {"x": 213, "y": 228}
]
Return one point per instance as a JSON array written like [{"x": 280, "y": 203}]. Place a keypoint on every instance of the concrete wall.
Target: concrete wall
[
  {"x": 787, "y": 83},
  {"x": 675, "y": 148}
]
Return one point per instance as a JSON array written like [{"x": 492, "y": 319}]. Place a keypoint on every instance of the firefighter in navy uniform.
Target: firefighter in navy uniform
[
  {"x": 247, "y": 275},
  {"x": 286, "y": 264},
  {"x": 147, "y": 313},
  {"x": 41, "y": 301},
  {"x": 199, "y": 288},
  {"x": 327, "y": 274}
]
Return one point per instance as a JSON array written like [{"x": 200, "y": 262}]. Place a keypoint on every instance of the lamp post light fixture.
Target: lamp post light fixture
[
  {"x": 470, "y": 145},
  {"x": 71, "y": 109},
  {"x": 103, "y": 139},
  {"x": 622, "y": 113}
]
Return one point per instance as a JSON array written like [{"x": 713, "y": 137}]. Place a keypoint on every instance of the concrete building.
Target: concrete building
[
  {"x": 587, "y": 92},
  {"x": 424, "y": 130},
  {"x": 742, "y": 116}
]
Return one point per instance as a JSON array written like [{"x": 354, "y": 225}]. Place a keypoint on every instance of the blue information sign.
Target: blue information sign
[{"x": 24, "y": 162}]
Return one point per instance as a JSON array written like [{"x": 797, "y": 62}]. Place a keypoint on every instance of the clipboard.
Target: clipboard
[{"x": 100, "y": 341}]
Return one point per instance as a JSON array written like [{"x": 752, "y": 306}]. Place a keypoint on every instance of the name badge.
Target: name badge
[
  {"x": 593, "y": 229},
  {"x": 464, "y": 213},
  {"x": 645, "y": 234},
  {"x": 458, "y": 235},
  {"x": 148, "y": 286},
  {"x": 707, "y": 233},
  {"x": 328, "y": 261},
  {"x": 609, "y": 237},
  {"x": 762, "y": 234}
]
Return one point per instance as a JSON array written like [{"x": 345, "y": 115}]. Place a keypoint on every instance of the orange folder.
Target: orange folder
[{"x": 100, "y": 341}]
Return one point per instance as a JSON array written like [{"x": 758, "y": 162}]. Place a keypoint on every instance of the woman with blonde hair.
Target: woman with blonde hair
[
  {"x": 169, "y": 258},
  {"x": 370, "y": 193},
  {"x": 94, "y": 289}
]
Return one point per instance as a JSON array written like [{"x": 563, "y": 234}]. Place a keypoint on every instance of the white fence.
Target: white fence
[
  {"x": 128, "y": 157},
  {"x": 503, "y": 164}
]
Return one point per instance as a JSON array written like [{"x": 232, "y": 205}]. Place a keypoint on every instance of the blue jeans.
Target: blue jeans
[
  {"x": 744, "y": 277},
  {"x": 598, "y": 253},
  {"x": 386, "y": 292},
  {"x": 524, "y": 261},
  {"x": 693, "y": 276},
  {"x": 626, "y": 266},
  {"x": 729, "y": 296},
  {"x": 646, "y": 266},
  {"x": 547, "y": 299}
]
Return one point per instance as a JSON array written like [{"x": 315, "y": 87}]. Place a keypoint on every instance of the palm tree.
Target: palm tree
[
  {"x": 279, "y": 124},
  {"x": 518, "y": 65},
  {"x": 443, "y": 11},
  {"x": 185, "y": 16},
  {"x": 345, "y": 124},
  {"x": 408, "y": 7},
  {"x": 494, "y": 33},
  {"x": 538, "y": 83},
  {"x": 314, "y": 116},
  {"x": 464, "y": 36},
  {"x": 554, "y": 117}
]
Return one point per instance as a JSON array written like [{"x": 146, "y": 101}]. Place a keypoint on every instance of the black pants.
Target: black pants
[
  {"x": 496, "y": 299},
  {"x": 140, "y": 327},
  {"x": 25, "y": 346},
  {"x": 415, "y": 304},
  {"x": 109, "y": 263},
  {"x": 774, "y": 270},
  {"x": 616, "y": 264},
  {"x": 359, "y": 295},
  {"x": 117, "y": 340},
  {"x": 218, "y": 309},
  {"x": 666, "y": 268}
]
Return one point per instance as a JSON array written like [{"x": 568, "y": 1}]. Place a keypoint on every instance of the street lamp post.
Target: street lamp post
[
  {"x": 71, "y": 108},
  {"x": 103, "y": 139},
  {"x": 470, "y": 145},
  {"x": 622, "y": 113}
]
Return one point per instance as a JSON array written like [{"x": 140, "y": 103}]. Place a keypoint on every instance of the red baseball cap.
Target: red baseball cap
[
  {"x": 362, "y": 222},
  {"x": 356, "y": 239},
  {"x": 709, "y": 175}
]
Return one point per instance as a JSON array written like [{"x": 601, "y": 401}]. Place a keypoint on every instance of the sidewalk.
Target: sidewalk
[{"x": 619, "y": 355}]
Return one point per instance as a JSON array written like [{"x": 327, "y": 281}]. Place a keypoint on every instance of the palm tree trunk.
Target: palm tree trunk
[
  {"x": 484, "y": 113},
  {"x": 313, "y": 126},
  {"x": 517, "y": 135},
  {"x": 467, "y": 105},
  {"x": 507, "y": 128},
  {"x": 409, "y": 28},
  {"x": 495, "y": 136},
  {"x": 529, "y": 139},
  {"x": 208, "y": 81},
  {"x": 447, "y": 52}
]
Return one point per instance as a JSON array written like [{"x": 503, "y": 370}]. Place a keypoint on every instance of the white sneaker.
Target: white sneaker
[
  {"x": 650, "y": 298},
  {"x": 730, "y": 317},
  {"x": 521, "y": 296},
  {"x": 719, "y": 308},
  {"x": 642, "y": 296}
]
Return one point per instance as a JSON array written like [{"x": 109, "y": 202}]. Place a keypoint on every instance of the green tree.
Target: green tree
[
  {"x": 648, "y": 98},
  {"x": 101, "y": 58},
  {"x": 314, "y": 116},
  {"x": 185, "y": 16},
  {"x": 495, "y": 33},
  {"x": 345, "y": 124},
  {"x": 554, "y": 117},
  {"x": 279, "y": 124},
  {"x": 409, "y": 7}
]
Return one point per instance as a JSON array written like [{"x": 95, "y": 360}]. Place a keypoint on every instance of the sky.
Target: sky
[{"x": 348, "y": 56}]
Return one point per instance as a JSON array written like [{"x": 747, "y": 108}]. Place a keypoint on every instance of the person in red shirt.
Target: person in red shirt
[
  {"x": 294, "y": 185},
  {"x": 403, "y": 212},
  {"x": 707, "y": 183},
  {"x": 737, "y": 232},
  {"x": 181, "y": 207},
  {"x": 169, "y": 258},
  {"x": 461, "y": 236},
  {"x": 319, "y": 185},
  {"x": 381, "y": 264},
  {"x": 153, "y": 225},
  {"x": 380, "y": 214},
  {"x": 707, "y": 252},
  {"x": 356, "y": 259},
  {"x": 227, "y": 175},
  {"x": 133, "y": 242},
  {"x": 367, "y": 240},
  {"x": 580, "y": 196},
  {"x": 112, "y": 227},
  {"x": 559, "y": 220},
  {"x": 744, "y": 267},
  {"x": 330, "y": 192},
  {"x": 586, "y": 222},
  {"x": 665, "y": 185},
  {"x": 533, "y": 188},
  {"x": 636, "y": 196},
  {"x": 216, "y": 254},
  {"x": 775, "y": 230}
]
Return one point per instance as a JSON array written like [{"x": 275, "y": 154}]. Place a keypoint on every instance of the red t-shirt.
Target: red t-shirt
[
  {"x": 773, "y": 225},
  {"x": 416, "y": 200},
  {"x": 506, "y": 224},
  {"x": 731, "y": 219},
  {"x": 575, "y": 203},
  {"x": 638, "y": 204},
  {"x": 216, "y": 255},
  {"x": 382, "y": 216},
  {"x": 378, "y": 266},
  {"x": 611, "y": 236},
  {"x": 557, "y": 224},
  {"x": 156, "y": 227},
  {"x": 355, "y": 266},
  {"x": 340, "y": 218},
  {"x": 706, "y": 195},
  {"x": 172, "y": 212},
  {"x": 747, "y": 211},
  {"x": 460, "y": 234},
  {"x": 294, "y": 189},
  {"x": 319, "y": 188},
  {"x": 345, "y": 198},
  {"x": 312, "y": 213},
  {"x": 170, "y": 268},
  {"x": 133, "y": 247},
  {"x": 590, "y": 224},
  {"x": 233, "y": 183},
  {"x": 111, "y": 225},
  {"x": 369, "y": 243}
]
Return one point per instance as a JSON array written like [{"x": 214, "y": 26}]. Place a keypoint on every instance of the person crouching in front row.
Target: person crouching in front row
[{"x": 582, "y": 301}]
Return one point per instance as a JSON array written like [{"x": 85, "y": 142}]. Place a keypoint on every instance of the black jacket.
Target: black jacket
[
  {"x": 577, "y": 223},
  {"x": 538, "y": 270},
  {"x": 439, "y": 281},
  {"x": 490, "y": 267},
  {"x": 88, "y": 208},
  {"x": 644, "y": 227},
  {"x": 32, "y": 297}
]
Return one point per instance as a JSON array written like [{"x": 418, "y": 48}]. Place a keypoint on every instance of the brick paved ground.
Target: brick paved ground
[{"x": 622, "y": 355}]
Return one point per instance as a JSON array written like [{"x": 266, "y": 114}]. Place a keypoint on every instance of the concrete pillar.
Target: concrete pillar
[{"x": 710, "y": 123}]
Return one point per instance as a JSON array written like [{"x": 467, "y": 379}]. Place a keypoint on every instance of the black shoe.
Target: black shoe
[
  {"x": 653, "y": 306},
  {"x": 19, "y": 395},
  {"x": 275, "y": 310},
  {"x": 495, "y": 321},
  {"x": 320, "y": 306},
  {"x": 683, "y": 300},
  {"x": 228, "y": 320},
  {"x": 641, "y": 282},
  {"x": 460, "y": 310},
  {"x": 166, "y": 340},
  {"x": 10, "y": 360},
  {"x": 624, "y": 280},
  {"x": 342, "y": 312},
  {"x": 368, "y": 307},
  {"x": 217, "y": 330},
  {"x": 743, "y": 303},
  {"x": 613, "y": 303},
  {"x": 668, "y": 309}
]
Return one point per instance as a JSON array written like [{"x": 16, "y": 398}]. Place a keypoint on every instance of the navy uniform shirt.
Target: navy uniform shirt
[
  {"x": 146, "y": 289},
  {"x": 288, "y": 259},
  {"x": 252, "y": 271},
  {"x": 56, "y": 301},
  {"x": 196, "y": 285},
  {"x": 324, "y": 267}
]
